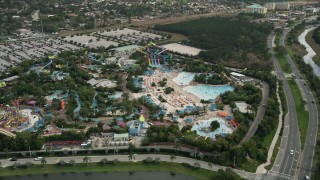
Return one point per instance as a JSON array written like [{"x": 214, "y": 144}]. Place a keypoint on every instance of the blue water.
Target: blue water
[
  {"x": 184, "y": 78},
  {"x": 199, "y": 125},
  {"x": 116, "y": 95},
  {"x": 78, "y": 104},
  {"x": 207, "y": 92}
]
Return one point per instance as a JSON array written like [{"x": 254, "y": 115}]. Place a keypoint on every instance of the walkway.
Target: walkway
[
  {"x": 261, "y": 169},
  {"x": 124, "y": 158}
]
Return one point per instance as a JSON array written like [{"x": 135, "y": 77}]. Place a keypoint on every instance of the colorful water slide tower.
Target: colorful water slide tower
[
  {"x": 7, "y": 133},
  {"x": 156, "y": 55}
]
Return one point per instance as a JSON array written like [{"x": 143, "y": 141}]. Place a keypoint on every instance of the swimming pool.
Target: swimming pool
[
  {"x": 184, "y": 78},
  {"x": 201, "y": 125},
  {"x": 207, "y": 92}
]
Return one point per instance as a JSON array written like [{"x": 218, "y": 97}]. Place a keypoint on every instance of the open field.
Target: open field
[
  {"x": 120, "y": 167},
  {"x": 303, "y": 116},
  {"x": 284, "y": 64}
]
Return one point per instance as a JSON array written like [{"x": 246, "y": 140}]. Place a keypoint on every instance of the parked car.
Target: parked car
[
  {"x": 13, "y": 159},
  {"x": 38, "y": 158}
]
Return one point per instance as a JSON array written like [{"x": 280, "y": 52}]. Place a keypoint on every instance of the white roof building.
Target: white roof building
[{"x": 243, "y": 107}]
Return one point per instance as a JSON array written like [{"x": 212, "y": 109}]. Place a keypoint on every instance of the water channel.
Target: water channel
[{"x": 311, "y": 53}]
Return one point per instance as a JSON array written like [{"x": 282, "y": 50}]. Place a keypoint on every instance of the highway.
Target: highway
[
  {"x": 285, "y": 164},
  {"x": 306, "y": 158}
]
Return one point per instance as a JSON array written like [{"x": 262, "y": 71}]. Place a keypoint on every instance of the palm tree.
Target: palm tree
[
  {"x": 130, "y": 157},
  {"x": 86, "y": 159},
  {"x": 43, "y": 161},
  {"x": 72, "y": 162},
  {"x": 172, "y": 157},
  {"x": 177, "y": 146}
]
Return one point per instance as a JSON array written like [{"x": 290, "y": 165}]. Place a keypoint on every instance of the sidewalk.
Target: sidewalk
[{"x": 261, "y": 169}]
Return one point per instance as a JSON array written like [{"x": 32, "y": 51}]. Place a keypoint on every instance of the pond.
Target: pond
[{"x": 104, "y": 175}]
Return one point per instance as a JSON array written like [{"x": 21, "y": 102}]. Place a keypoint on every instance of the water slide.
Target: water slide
[
  {"x": 45, "y": 65},
  {"x": 7, "y": 133}
]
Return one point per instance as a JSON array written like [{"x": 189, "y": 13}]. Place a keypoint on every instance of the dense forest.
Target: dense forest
[{"x": 233, "y": 41}]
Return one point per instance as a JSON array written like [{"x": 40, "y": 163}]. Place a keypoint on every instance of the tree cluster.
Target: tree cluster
[{"x": 224, "y": 39}]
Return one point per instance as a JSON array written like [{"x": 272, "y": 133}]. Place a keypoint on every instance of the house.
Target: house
[
  {"x": 121, "y": 137},
  {"x": 243, "y": 107},
  {"x": 138, "y": 127},
  {"x": 101, "y": 83}
]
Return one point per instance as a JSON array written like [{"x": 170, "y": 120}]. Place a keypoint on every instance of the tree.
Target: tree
[
  {"x": 172, "y": 157},
  {"x": 103, "y": 161},
  {"x": 86, "y": 159},
  {"x": 177, "y": 147},
  {"x": 130, "y": 157},
  {"x": 72, "y": 162},
  {"x": 196, "y": 165},
  {"x": 200, "y": 155},
  {"x": 43, "y": 161},
  {"x": 214, "y": 125}
]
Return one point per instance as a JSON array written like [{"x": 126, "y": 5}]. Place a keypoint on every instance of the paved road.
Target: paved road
[
  {"x": 179, "y": 159},
  {"x": 260, "y": 113},
  {"x": 306, "y": 158},
  {"x": 285, "y": 164}
]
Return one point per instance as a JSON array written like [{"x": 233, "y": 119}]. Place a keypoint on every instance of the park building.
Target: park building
[
  {"x": 256, "y": 8},
  {"x": 270, "y": 6},
  {"x": 278, "y": 6}
]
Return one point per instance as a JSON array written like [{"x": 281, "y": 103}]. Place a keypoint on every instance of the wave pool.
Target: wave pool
[
  {"x": 184, "y": 78},
  {"x": 207, "y": 92},
  {"x": 202, "y": 127}
]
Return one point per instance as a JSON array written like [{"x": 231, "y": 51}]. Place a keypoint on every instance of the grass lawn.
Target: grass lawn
[
  {"x": 120, "y": 167},
  {"x": 250, "y": 166},
  {"x": 268, "y": 139},
  {"x": 284, "y": 64},
  {"x": 175, "y": 38},
  {"x": 303, "y": 116},
  {"x": 275, "y": 153}
]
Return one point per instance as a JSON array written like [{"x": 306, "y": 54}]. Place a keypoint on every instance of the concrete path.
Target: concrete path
[{"x": 261, "y": 169}]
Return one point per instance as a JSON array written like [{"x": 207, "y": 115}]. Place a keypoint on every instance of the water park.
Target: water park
[
  {"x": 184, "y": 94},
  {"x": 14, "y": 119}
]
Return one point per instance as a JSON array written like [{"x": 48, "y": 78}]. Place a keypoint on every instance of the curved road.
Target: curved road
[
  {"x": 306, "y": 158},
  {"x": 285, "y": 164},
  {"x": 260, "y": 113}
]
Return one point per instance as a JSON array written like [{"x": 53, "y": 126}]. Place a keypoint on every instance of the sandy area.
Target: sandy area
[
  {"x": 182, "y": 49},
  {"x": 175, "y": 100}
]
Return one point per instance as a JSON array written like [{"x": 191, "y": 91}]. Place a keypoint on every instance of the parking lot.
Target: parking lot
[{"x": 14, "y": 52}]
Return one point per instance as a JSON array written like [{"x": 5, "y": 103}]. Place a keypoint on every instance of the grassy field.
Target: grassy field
[
  {"x": 120, "y": 167},
  {"x": 250, "y": 166},
  {"x": 303, "y": 116},
  {"x": 284, "y": 64},
  {"x": 175, "y": 38}
]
